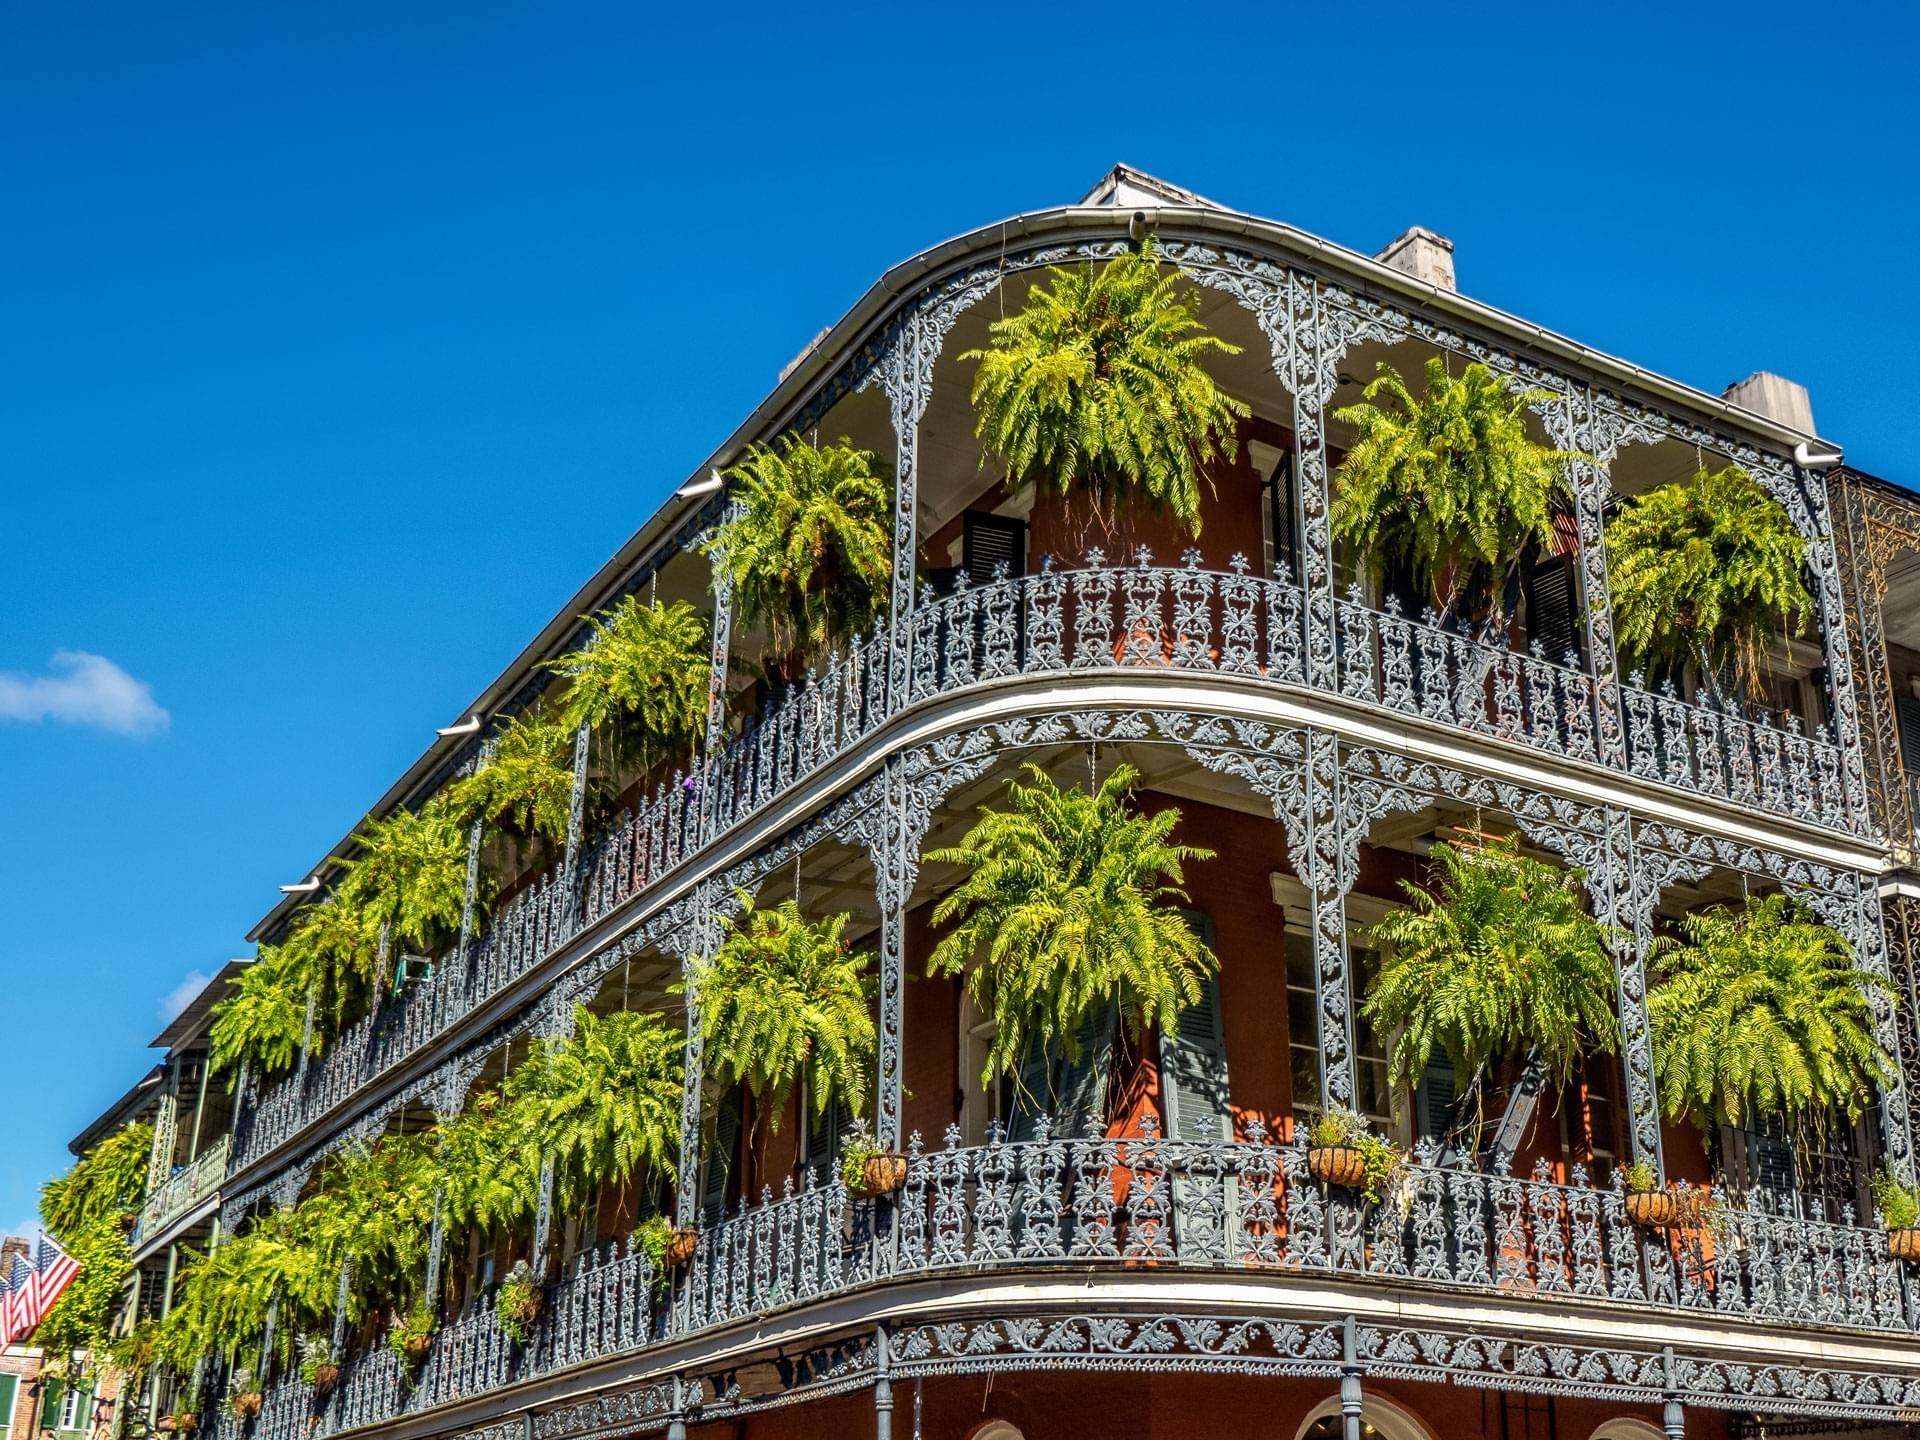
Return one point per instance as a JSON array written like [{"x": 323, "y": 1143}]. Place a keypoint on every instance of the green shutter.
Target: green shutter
[
  {"x": 1072, "y": 1092},
  {"x": 825, "y": 1134},
  {"x": 9, "y": 1392},
  {"x": 726, "y": 1140},
  {"x": 1906, "y": 710},
  {"x": 1193, "y": 1061},
  {"x": 50, "y": 1404},
  {"x": 1080, "y": 1088}
]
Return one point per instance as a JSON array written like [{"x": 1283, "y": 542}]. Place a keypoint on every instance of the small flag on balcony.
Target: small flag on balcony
[{"x": 31, "y": 1288}]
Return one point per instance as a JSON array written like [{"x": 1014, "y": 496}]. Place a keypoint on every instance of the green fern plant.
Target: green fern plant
[
  {"x": 374, "y": 1204},
  {"x": 332, "y": 951},
  {"x": 1706, "y": 572},
  {"x": 525, "y": 781},
  {"x": 1069, "y": 904},
  {"x": 1494, "y": 958},
  {"x": 1097, "y": 387},
  {"x": 785, "y": 1000},
  {"x": 488, "y": 1158},
  {"x": 260, "y": 1020},
  {"x": 1448, "y": 483},
  {"x": 1761, "y": 1011},
  {"x": 604, "y": 1102},
  {"x": 1897, "y": 1200},
  {"x": 410, "y": 873},
  {"x": 101, "y": 1187},
  {"x": 642, "y": 679},
  {"x": 810, "y": 551}
]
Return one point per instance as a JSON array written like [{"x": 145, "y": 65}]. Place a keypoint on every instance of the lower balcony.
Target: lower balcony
[{"x": 1451, "y": 1271}]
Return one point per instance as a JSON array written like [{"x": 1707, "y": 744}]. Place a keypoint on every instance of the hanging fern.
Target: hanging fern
[
  {"x": 525, "y": 780},
  {"x": 1761, "y": 1011},
  {"x": 1096, "y": 387},
  {"x": 489, "y": 1161},
  {"x": 332, "y": 951},
  {"x": 1447, "y": 483},
  {"x": 642, "y": 678},
  {"x": 1494, "y": 958},
  {"x": 810, "y": 552},
  {"x": 374, "y": 1204},
  {"x": 1706, "y": 572},
  {"x": 604, "y": 1102},
  {"x": 783, "y": 1000},
  {"x": 223, "y": 1295},
  {"x": 260, "y": 1020},
  {"x": 1069, "y": 904},
  {"x": 101, "y": 1186},
  {"x": 410, "y": 873}
]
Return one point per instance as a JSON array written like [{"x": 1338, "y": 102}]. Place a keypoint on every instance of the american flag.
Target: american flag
[{"x": 32, "y": 1286}]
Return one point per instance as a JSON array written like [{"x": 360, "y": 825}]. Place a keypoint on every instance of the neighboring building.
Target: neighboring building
[{"x": 1159, "y": 1262}]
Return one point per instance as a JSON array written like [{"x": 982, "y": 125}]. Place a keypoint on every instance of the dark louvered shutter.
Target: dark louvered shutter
[
  {"x": 1434, "y": 1100},
  {"x": 1193, "y": 1061},
  {"x": 1073, "y": 1092},
  {"x": 726, "y": 1141},
  {"x": 1906, "y": 710},
  {"x": 825, "y": 1135},
  {"x": 1553, "y": 618},
  {"x": 1280, "y": 513},
  {"x": 989, "y": 541}
]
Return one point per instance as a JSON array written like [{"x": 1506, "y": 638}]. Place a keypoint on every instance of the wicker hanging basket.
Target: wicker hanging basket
[{"x": 1342, "y": 1165}]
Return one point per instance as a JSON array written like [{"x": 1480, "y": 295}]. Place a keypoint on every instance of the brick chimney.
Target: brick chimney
[
  {"x": 1423, "y": 255},
  {"x": 1781, "y": 400}
]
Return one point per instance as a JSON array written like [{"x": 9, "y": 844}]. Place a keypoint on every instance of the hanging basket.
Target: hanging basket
[
  {"x": 1904, "y": 1243},
  {"x": 417, "y": 1347},
  {"x": 246, "y": 1405},
  {"x": 325, "y": 1377},
  {"x": 1342, "y": 1165},
  {"x": 185, "y": 1423},
  {"x": 884, "y": 1173},
  {"x": 680, "y": 1248},
  {"x": 1670, "y": 1209}
]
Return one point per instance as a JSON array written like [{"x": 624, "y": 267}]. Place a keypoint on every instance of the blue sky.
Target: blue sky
[{"x": 339, "y": 343}]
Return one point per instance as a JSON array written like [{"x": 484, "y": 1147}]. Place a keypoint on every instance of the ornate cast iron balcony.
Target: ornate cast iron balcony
[
  {"x": 1136, "y": 618},
  {"x": 181, "y": 1191},
  {"x": 1142, "y": 1206}
]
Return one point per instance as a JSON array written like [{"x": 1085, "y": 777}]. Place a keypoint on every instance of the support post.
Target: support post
[
  {"x": 543, "y": 1220},
  {"x": 1328, "y": 872},
  {"x": 436, "y": 1243},
  {"x": 1352, "y": 1401},
  {"x": 1626, "y": 895},
  {"x": 677, "y": 1424},
  {"x": 891, "y": 862},
  {"x": 692, "y": 953},
  {"x": 576, "y": 824},
  {"x": 1673, "y": 1418},
  {"x": 715, "y": 738},
  {"x": 340, "y": 1306},
  {"x": 883, "y": 1387}
]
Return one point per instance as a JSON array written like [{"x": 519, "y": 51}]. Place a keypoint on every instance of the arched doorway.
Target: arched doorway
[{"x": 1380, "y": 1419}]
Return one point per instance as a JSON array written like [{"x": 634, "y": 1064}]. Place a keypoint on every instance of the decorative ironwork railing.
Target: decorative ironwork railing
[
  {"x": 187, "y": 1187},
  {"x": 1133, "y": 618},
  {"x": 1133, "y": 1206}
]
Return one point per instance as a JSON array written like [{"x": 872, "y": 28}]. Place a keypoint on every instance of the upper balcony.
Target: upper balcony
[{"x": 1010, "y": 603}]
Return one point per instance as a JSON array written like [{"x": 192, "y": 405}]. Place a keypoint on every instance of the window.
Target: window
[
  {"x": 9, "y": 1392},
  {"x": 1373, "y": 1097},
  {"x": 73, "y": 1408}
]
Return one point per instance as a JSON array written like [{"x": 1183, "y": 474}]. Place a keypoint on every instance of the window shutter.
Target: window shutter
[
  {"x": 9, "y": 1386},
  {"x": 1193, "y": 1061},
  {"x": 825, "y": 1135},
  {"x": 1280, "y": 512},
  {"x": 726, "y": 1141},
  {"x": 1072, "y": 1093},
  {"x": 1552, "y": 608},
  {"x": 50, "y": 1404},
  {"x": 1906, "y": 710},
  {"x": 1081, "y": 1089},
  {"x": 990, "y": 540},
  {"x": 1435, "y": 1099}
]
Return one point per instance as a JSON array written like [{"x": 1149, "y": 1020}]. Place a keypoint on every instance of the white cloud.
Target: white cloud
[
  {"x": 83, "y": 689},
  {"x": 178, "y": 998}
]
